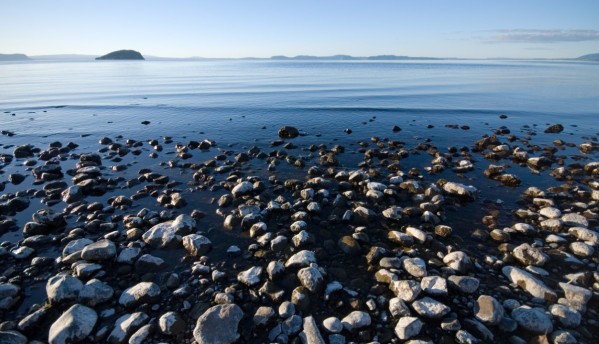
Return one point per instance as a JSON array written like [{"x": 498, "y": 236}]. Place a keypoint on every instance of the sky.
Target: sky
[{"x": 262, "y": 28}]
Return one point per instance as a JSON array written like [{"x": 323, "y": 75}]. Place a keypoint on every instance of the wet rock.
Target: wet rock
[
  {"x": 465, "y": 284},
  {"x": 458, "y": 260},
  {"x": 562, "y": 337},
  {"x": 356, "y": 320},
  {"x": 408, "y": 327},
  {"x": 72, "y": 194},
  {"x": 171, "y": 323},
  {"x": 567, "y": 317},
  {"x": 310, "y": 333},
  {"x": 242, "y": 189},
  {"x": 288, "y": 132},
  {"x": 332, "y": 325},
  {"x": 197, "y": 245},
  {"x": 460, "y": 190},
  {"x": 529, "y": 283},
  {"x": 529, "y": 255},
  {"x": 584, "y": 234},
  {"x": 12, "y": 337},
  {"x": 575, "y": 293},
  {"x": 349, "y": 245},
  {"x": 415, "y": 267},
  {"x": 406, "y": 290},
  {"x": 554, "y": 129},
  {"x": 311, "y": 279},
  {"x": 100, "y": 250},
  {"x": 167, "y": 234},
  {"x": 126, "y": 325},
  {"x": 488, "y": 310},
  {"x": 263, "y": 316},
  {"x": 575, "y": 220},
  {"x": 62, "y": 288},
  {"x": 75, "y": 324},
  {"x": 149, "y": 263},
  {"x": 95, "y": 292},
  {"x": 140, "y": 293},
  {"x": 533, "y": 320},
  {"x": 581, "y": 249},
  {"x": 251, "y": 276},
  {"x": 301, "y": 259},
  {"x": 434, "y": 285},
  {"x": 218, "y": 324},
  {"x": 430, "y": 308}
]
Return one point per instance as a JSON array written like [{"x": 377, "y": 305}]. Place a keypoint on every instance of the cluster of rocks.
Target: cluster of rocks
[{"x": 322, "y": 252}]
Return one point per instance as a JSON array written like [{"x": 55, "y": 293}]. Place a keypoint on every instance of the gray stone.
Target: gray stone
[
  {"x": 575, "y": 293},
  {"x": 73, "y": 325},
  {"x": 465, "y": 337},
  {"x": 197, "y": 245},
  {"x": 171, "y": 323},
  {"x": 61, "y": 288},
  {"x": 251, "y": 276},
  {"x": 566, "y": 316},
  {"x": 576, "y": 220},
  {"x": 581, "y": 249},
  {"x": 434, "y": 285},
  {"x": 125, "y": 325},
  {"x": 415, "y": 267},
  {"x": 408, "y": 327},
  {"x": 140, "y": 336},
  {"x": 140, "y": 293},
  {"x": 430, "y": 308},
  {"x": 488, "y": 310},
  {"x": 356, "y": 320},
  {"x": 465, "y": 284},
  {"x": 218, "y": 324},
  {"x": 100, "y": 250},
  {"x": 562, "y": 337},
  {"x": 286, "y": 309},
  {"x": 8, "y": 290},
  {"x": 149, "y": 263},
  {"x": 12, "y": 337},
  {"x": 529, "y": 283},
  {"x": 529, "y": 255},
  {"x": 406, "y": 290},
  {"x": 263, "y": 316},
  {"x": 95, "y": 292},
  {"x": 460, "y": 190},
  {"x": 242, "y": 189},
  {"x": 583, "y": 234},
  {"x": 310, "y": 333},
  {"x": 168, "y": 234},
  {"x": 533, "y": 320},
  {"x": 332, "y": 325},
  {"x": 398, "y": 308},
  {"x": 301, "y": 259},
  {"x": 457, "y": 260},
  {"x": 311, "y": 279},
  {"x": 128, "y": 255}
]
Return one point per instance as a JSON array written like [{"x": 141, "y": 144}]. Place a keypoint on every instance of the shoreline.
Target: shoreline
[{"x": 367, "y": 256}]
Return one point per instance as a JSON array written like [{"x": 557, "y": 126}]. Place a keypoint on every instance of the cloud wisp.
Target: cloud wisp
[{"x": 540, "y": 36}]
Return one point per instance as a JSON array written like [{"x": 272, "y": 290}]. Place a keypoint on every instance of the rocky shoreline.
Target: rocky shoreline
[{"x": 373, "y": 241}]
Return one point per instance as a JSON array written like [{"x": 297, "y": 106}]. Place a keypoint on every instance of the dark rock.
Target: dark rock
[
  {"x": 554, "y": 129},
  {"x": 288, "y": 132}
]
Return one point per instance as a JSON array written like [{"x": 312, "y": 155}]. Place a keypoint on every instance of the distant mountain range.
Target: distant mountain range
[{"x": 131, "y": 56}]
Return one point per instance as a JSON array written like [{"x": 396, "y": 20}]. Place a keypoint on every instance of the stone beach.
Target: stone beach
[{"x": 302, "y": 240}]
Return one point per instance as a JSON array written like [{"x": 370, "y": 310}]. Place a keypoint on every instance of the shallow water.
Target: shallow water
[{"x": 243, "y": 103}]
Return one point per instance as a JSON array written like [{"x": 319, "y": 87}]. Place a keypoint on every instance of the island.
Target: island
[
  {"x": 122, "y": 55},
  {"x": 589, "y": 57},
  {"x": 13, "y": 57}
]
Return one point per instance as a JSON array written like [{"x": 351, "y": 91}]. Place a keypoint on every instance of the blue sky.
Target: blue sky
[{"x": 261, "y": 28}]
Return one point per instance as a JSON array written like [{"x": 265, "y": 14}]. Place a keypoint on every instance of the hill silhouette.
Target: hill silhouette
[{"x": 122, "y": 55}]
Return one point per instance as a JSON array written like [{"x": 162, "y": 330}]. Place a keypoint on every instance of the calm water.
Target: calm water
[{"x": 234, "y": 100}]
